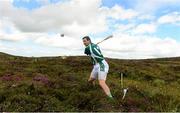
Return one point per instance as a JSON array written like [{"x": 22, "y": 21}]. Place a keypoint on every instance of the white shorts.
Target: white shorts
[{"x": 100, "y": 71}]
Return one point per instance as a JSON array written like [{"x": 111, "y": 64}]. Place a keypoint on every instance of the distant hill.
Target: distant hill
[{"x": 49, "y": 84}]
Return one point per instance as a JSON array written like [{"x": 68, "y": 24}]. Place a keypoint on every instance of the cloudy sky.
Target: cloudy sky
[{"x": 141, "y": 28}]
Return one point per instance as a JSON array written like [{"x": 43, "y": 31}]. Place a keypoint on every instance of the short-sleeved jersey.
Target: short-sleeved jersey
[{"x": 94, "y": 51}]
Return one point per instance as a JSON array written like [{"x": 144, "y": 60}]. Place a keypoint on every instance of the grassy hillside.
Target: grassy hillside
[{"x": 58, "y": 84}]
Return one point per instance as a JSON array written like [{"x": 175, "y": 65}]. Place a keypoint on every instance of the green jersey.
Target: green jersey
[{"x": 94, "y": 51}]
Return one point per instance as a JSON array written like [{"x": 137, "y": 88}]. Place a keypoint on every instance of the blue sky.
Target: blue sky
[
  {"x": 32, "y": 4},
  {"x": 38, "y": 23},
  {"x": 124, "y": 3}
]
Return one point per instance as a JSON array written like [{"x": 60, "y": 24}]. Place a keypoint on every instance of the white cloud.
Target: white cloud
[
  {"x": 77, "y": 30},
  {"x": 80, "y": 14},
  {"x": 8, "y": 32},
  {"x": 7, "y": 27},
  {"x": 124, "y": 28},
  {"x": 139, "y": 46},
  {"x": 145, "y": 28},
  {"x": 146, "y": 17},
  {"x": 171, "y": 18},
  {"x": 73, "y": 17},
  {"x": 117, "y": 12},
  {"x": 4, "y": 48},
  {"x": 66, "y": 42},
  {"x": 12, "y": 37},
  {"x": 0, "y": 44}
]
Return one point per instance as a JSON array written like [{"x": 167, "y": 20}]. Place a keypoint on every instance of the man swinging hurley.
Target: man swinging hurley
[{"x": 100, "y": 68}]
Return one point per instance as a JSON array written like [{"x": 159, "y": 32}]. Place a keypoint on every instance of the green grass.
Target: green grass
[{"x": 54, "y": 84}]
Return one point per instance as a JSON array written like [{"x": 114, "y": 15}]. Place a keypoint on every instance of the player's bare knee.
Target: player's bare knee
[{"x": 102, "y": 83}]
